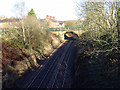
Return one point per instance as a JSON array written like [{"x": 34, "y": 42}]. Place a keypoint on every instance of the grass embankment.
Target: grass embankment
[{"x": 96, "y": 66}]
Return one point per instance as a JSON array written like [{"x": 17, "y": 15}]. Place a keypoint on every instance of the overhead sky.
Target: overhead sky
[{"x": 61, "y": 9}]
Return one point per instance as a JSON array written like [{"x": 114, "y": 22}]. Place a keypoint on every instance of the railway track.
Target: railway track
[{"x": 55, "y": 71}]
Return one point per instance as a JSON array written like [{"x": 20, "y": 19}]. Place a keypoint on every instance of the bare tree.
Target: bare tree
[
  {"x": 100, "y": 19},
  {"x": 20, "y": 7}
]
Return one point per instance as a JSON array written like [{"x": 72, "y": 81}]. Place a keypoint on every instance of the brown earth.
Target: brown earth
[{"x": 19, "y": 61}]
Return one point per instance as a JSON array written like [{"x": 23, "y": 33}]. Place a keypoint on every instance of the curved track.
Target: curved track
[{"x": 57, "y": 71}]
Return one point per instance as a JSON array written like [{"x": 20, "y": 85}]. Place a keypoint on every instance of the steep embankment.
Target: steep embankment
[
  {"x": 96, "y": 67},
  {"x": 17, "y": 61}
]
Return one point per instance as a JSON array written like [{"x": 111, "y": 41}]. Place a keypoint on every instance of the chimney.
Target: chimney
[
  {"x": 53, "y": 17},
  {"x": 47, "y": 16}
]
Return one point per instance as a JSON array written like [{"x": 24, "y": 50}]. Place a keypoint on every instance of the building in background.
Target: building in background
[
  {"x": 61, "y": 24},
  {"x": 14, "y": 22},
  {"x": 53, "y": 23},
  {"x": 9, "y": 23}
]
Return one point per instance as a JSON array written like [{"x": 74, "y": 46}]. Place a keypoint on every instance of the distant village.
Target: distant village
[{"x": 52, "y": 22}]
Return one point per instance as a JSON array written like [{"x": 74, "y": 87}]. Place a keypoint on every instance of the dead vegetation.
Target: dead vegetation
[
  {"x": 97, "y": 63},
  {"x": 18, "y": 61},
  {"x": 96, "y": 67},
  {"x": 23, "y": 48}
]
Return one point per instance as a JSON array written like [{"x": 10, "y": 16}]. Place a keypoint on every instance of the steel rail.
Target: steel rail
[
  {"x": 42, "y": 69},
  {"x": 64, "y": 77},
  {"x": 68, "y": 58},
  {"x": 54, "y": 69}
]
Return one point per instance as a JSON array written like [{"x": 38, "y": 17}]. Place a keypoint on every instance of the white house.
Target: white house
[{"x": 61, "y": 24}]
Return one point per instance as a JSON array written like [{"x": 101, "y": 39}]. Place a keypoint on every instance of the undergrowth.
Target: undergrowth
[{"x": 97, "y": 60}]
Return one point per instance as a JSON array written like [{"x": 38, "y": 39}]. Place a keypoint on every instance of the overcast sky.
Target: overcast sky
[{"x": 61, "y": 9}]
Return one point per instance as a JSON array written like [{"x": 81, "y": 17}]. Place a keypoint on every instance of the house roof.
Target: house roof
[
  {"x": 42, "y": 20},
  {"x": 9, "y": 20},
  {"x": 53, "y": 20},
  {"x": 60, "y": 23}
]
